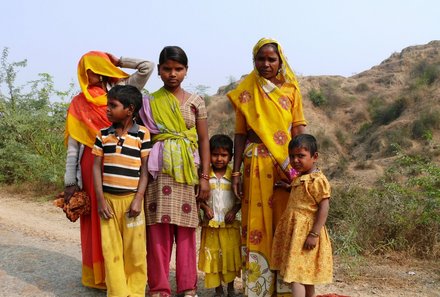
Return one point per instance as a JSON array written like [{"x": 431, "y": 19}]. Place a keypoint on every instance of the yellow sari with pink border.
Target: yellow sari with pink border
[{"x": 271, "y": 112}]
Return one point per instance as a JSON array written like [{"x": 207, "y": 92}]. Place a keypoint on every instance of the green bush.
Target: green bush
[
  {"x": 385, "y": 114},
  {"x": 362, "y": 87},
  {"x": 401, "y": 214},
  {"x": 425, "y": 73},
  {"x": 423, "y": 127},
  {"x": 31, "y": 129},
  {"x": 317, "y": 98}
]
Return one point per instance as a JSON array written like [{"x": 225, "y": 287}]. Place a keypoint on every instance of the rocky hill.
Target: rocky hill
[{"x": 362, "y": 122}]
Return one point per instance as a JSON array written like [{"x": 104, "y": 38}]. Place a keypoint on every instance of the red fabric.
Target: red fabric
[
  {"x": 160, "y": 239},
  {"x": 90, "y": 114},
  {"x": 90, "y": 224}
]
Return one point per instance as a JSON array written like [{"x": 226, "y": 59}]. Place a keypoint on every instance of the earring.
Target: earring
[{"x": 100, "y": 78}]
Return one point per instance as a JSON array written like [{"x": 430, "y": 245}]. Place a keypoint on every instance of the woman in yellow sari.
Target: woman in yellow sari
[
  {"x": 86, "y": 115},
  {"x": 269, "y": 112}
]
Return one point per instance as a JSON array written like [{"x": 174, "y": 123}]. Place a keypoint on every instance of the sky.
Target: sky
[{"x": 319, "y": 37}]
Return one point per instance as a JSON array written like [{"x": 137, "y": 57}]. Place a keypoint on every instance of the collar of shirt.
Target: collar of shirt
[
  {"x": 226, "y": 176},
  {"x": 133, "y": 130}
]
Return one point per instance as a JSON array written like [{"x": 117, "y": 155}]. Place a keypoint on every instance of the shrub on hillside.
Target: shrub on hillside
[
  {"x": 361, "y": 88},
  {"x": 423, "y": 127},
  {"x": 425, "y": 73},
  {"x": 317, "y": 98},
  {"x": 385, "y": 114},
  {"x": 401, "y": 214}
]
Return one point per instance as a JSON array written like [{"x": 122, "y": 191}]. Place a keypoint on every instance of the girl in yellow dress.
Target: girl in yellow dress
[{"x": 301, "y": 247}]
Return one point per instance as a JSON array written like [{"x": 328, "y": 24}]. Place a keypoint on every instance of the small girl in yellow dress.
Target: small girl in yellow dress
[
  {"x": 219, "y": 254},
  {"x": 301, "y": 248}
]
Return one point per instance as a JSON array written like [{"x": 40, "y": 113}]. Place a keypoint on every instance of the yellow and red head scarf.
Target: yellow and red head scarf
[
  {"x": 260, "y": 101},
  {"x": 87, "y": 111}
]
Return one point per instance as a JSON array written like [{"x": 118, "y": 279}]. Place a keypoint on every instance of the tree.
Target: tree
[{"x": 32, "y": 119}]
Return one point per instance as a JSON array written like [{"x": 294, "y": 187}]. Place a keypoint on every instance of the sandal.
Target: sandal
[{"x": 190, "y": 293}]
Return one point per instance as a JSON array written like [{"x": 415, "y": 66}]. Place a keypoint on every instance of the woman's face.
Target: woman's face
[
  {"x": 94, "y": 79},
  {"x": 267, "y": 62}
]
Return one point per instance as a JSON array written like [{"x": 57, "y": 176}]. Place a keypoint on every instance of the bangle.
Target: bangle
[
  {"x": 70, "y": 184},
  {"x": 236, "y": 173},
  {"x": 313, "y": 234},
  {"x": 204, "y": 176}
]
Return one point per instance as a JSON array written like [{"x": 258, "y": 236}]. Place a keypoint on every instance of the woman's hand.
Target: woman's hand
[
  {"x": 113, "y": 59},
  {"x": 203, "y": 190},
  {"x": 68, "y": 192},
  {"x": 237, "y": 187}
]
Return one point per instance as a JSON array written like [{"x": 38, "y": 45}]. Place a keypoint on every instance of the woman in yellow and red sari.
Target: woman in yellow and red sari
[
  {"x": 86, "y": 115},
  {"x": 269, "y": 112}
]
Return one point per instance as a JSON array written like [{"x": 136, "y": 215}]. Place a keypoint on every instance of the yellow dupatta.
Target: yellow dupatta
[
  {"x": 179, "y": 143},
  {"x": 266, "y": 109},
  {"x": 87, "y": 111}
]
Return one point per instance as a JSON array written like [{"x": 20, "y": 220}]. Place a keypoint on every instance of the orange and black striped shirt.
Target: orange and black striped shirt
[{"x": 122, "y": 157}]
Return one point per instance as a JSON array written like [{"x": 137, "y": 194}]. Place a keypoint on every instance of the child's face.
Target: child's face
[
  {"x": 172, "y": 73},
  {"x": 302, "y": 161},
  {"x": 116, "y": 112},
  {"x": 220, "y": 158}
]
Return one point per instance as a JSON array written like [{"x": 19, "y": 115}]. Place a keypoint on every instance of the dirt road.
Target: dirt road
[{"x": 40, "y": 256}]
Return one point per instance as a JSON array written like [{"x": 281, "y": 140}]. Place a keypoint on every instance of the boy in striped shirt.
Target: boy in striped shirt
[{"x": 120, "y": 178}]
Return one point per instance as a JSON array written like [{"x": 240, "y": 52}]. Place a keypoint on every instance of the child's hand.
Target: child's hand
[
  {"x": 135, "y": 208},
  {"x": 207, "y": 211},
  {"x": 230, "y": 216},
  {"x": 282, "y": 184},
  {"x": 311, "y": 242},
  {"x": 104, "y": 210}
]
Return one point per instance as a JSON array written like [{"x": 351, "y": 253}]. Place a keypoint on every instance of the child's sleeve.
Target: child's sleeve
[
  {"x": 146, "y": 143},
  {"x": 97, "y": 148},
  {"x": 320, "y": 189}
]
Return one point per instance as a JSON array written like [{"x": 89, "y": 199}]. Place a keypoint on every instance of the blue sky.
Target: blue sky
[{"x": 338, "y": 37}]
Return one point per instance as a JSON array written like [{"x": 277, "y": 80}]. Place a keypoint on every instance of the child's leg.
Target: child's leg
[
  {"x": 231, "y": 289},
  {"x": 186, "y": 260},
  {"x": 112, "y": 249},
  {"x": 298, "y": 290},
  {"x": 219, "y": 290},
  {"x": 135, "y": 253},
  {"x": 310, "y": 290},
  {"x": 159, "y": 249}
]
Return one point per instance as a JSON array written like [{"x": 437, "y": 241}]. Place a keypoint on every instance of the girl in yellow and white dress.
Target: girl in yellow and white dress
[{"x": 219, "y": 255}]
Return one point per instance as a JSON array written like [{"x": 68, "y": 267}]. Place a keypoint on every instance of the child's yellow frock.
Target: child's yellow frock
[{"x": 288, "y": 255}]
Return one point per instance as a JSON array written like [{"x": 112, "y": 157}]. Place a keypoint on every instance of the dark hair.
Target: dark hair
[
  {"x": 306, "y": 141},
  {"x": 127, "y": 95},
  {"x": 221, "y": 141},
  {"x": 275, "y": 48},
  {"x": 174, "y": 53}
]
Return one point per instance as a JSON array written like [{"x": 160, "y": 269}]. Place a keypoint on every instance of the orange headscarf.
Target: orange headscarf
[{"x": 87, "y": 111}]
